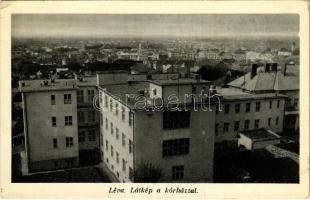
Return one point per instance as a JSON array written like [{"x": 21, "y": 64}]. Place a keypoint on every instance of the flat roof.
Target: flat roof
[
  {"x": 87, "y": 81},
  {"x": 180, "y": 81},
  {"x": 47, "y": 84},
  {"x": 261, "y": 134}
]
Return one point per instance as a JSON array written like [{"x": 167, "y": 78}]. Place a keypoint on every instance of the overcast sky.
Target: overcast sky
[{"x": 107, "y": 25}]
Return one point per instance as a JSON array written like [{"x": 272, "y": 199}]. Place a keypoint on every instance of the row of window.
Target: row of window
[
  {"x": 68, "y": 121},
  {"x": 91, "y": 136},
  {"x": 90, "y": 114},
  {"x": 69, "y": 142},
  {"x": 130, "y": 145},
  {"x": 176, "y": 147},
  {"x": 246, "y": 125},
  {"x": 67, "y": 99},
  {"x": 237, "y": 108},
  {"x": 90, "y": 95},
  {"x": 130, "y": 171}
]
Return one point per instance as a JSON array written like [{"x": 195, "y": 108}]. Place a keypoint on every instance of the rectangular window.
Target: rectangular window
[
  {"x": 116, "y": 109},
  {"x": 131, "y": 174},
  {"x": 130, "y": 145},
  {"x": 68, "y": 120},
  {"x": 82, "y": 136},
  {"x": 111, "y": 127},
  {"x": 54, "y": 121},
  {"x": 117, "y": 157},
  {"x": 216, "y": 129},
  {"x": 81, "y": 118},
  {"x": 178, "y": 172},
  {"x": 270, "y": 104},
  {"x": 237, "y": 108},
  {"x": 106, "y": 101},
  {"x": 112, "y": 151},
  {"x": 176, "y": 147},
  {"x": 55, "y": 143},
  {"x": 90, "y": 95},
  {"x": 236, "y": 125},
  {"x": 91, "y": 135},
  {"x": 124, "y": 165},
  {"x": 256, "y": 123},
  {"x": 111, "y": 105},
  {"x": 116, "y": 133},
  {"x": 67, "y": 98},
  {"x": 278, "y": 104},
  {"x": 69, "y": 141},
  {"x": 269, "y": 121},
  {"x": 123, "y": 113},
  {"x": 91, "y": 115},
  {"x": 257, "y": 108},
  {"x": 226, "y": 107},
  {"x": 176, "y": 119},
  {"x": 80, "y": 96},
  {"x": 296, "y": 102},
  {"x": 107, "y": 145},
  {"x": 130, "y": 120},
  {"x": 106, "y": 123},
  {"x": 53, "y": 100},
  {"x": 277, "y": 120},
  {"x": 123, "y": 139},
  {"x": 246, "y": 124},
  {"x": 248, "y": 107},
  {"x": 226, "y": 127}
]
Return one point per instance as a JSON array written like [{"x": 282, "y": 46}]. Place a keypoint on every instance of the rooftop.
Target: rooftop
[
  {"x": 46, "y": 84},
  {"x": 261, "y": 134},
  {"x": 87, "y": 81},
  {"x": 180, "y": 81}
]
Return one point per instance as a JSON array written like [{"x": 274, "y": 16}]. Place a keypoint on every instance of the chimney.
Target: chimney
[
  {"x": 267, "y": 67},
  {"x": 254, "y": 70},
  {"x": 284, "y": 70},
  {"x": 274, "y": 67}
]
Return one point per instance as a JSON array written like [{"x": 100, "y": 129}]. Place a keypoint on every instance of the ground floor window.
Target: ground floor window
[{"x": 177, "y": 172}]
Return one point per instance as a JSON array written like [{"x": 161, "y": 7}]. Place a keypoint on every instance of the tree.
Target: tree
[{"x": 147, "y": 173}]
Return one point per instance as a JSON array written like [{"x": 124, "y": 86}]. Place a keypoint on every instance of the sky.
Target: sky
[{"x": 153, "y": 25}]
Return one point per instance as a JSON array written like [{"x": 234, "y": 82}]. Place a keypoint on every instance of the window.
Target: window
[
  {"x": 277, "y": 120},
  {"x": 176, "y": 119},
  {"x": 116, "y": 133},
  {"x": 226, "y": 108},
  {"x": 216, "y": 129},
  {"x": 107, "y": 145},
  {"x": 154, "y": 92},
  {"x": 117, "y": 157},
  {"x": 90, "y": 95},
  {"x": 81, "y": 118},
  {"x": 92, "y": 135},
  {"x": 111, "y": 127},
  {"x": 248, "y": 107},
  {"x": 106, "y": 101},
  {"x": 123, "y": 113},
  {"x": 176, "y": 147},
  {"x": 116, "y": 109},
  {"x": 55, "y": 143},
  {"x": 177, "y": 172},
  {"x": 278, "y": 104},
  {"x": 67, "y": 98},
  {"x": 269, "y": 121},
  {"x": 123, "y": 139},
  {"x": 256, "y": 123},
  {"x": 112, "y": 151},
  {"x": 257, "y": 108},
  {"x": 130, "y": 120},
  {"x": 124, "y": 165},
  {"x": 55, "y": 163},
  {"x": 69, "y": 163},
  {"x": 237, "y": 108},
  {"x": 53, "y": 101},
  {"x": 226, "y": 127},
  {"x": 131, "y": 174},
  {"x": 54, "y": 121},
  {"x": 296, "y": 102},
  {"x": 130, "y": 145},
  {"x": 68, "y": 120},
  {"x": 82, "y": 136},
  {"x": 69, "y": 141},
  {"x": 80, "y": 96},
  {"x": 270, "y": 104},
  {"x": 246, "y": 124},
  {"x": 91, "y": 115},
  {"x": 111, "y": 105},
  {"x": 106, "y": 123},
  {"x": 236, "y": 125}
]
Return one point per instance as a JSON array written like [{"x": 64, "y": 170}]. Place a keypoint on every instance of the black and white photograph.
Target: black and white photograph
[{"x": 155, "y": 98}]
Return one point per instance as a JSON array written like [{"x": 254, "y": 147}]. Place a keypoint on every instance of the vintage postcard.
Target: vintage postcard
[{"x": 154, "y": 99}]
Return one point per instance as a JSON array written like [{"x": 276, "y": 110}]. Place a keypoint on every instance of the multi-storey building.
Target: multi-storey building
[
  {"x": 134, "y": 133},
  {"x": 50, "y": 124}
]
